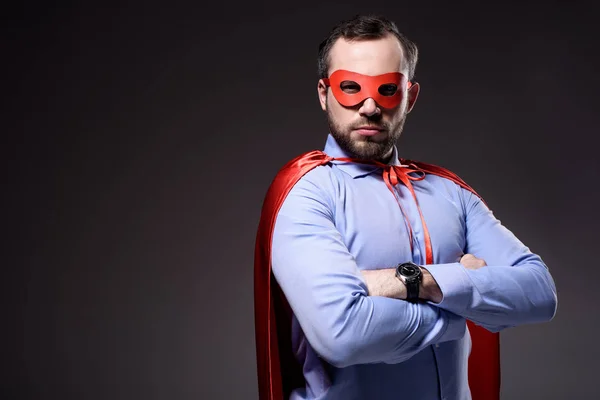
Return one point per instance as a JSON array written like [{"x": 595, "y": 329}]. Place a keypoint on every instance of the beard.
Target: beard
[{"x": 367, "y": 147}]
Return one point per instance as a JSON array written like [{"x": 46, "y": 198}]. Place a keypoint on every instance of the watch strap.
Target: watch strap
[
  {"x": 412, "y": 283},
  {"x": 412, "y": 289}
]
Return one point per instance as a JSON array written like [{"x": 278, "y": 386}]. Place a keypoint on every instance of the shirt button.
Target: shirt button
[{"x": 437, "y": 346}]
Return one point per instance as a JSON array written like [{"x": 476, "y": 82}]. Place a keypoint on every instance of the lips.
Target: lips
[{"x": 368, "y": 130}]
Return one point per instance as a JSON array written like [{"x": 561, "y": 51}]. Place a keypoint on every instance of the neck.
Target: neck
[{"x": 387, "y": 157}]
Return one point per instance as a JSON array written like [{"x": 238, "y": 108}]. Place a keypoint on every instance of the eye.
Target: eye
[
  {"x": 388, "y": 89},
  {"x": 350, "y": 87}
]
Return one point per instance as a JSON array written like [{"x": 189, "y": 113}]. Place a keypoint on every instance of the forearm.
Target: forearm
[
  {"x": 494, "y": 297},
  {"x": 375, "y": 329},
  {"x": 497, "y": 297},
  {"x": 513, "y": 288},
  {"x": 383, "y": 282}
]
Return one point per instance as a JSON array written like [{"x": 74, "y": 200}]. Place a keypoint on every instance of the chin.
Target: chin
[
  {"x": 377, "y": 140},
  {"x": 370, "y": 150},
  {"x": 359, "y": 146}
]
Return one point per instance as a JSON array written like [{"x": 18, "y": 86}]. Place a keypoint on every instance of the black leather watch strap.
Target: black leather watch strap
[
  {"x": 410, "y": 274},
  {"x": 412, "y": 290}
]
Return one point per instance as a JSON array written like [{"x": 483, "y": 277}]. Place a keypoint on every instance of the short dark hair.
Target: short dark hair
[{"x": 365, "y": 27}]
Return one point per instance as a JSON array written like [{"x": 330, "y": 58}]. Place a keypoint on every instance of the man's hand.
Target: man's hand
[
  {"x": 469, "y": 261},
  {"x": 383, "y": 282}
]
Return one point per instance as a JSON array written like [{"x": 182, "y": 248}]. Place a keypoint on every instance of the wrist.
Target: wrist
[
  {"x": 429, "y": 289},
  {"x": 410, "y": 275}
]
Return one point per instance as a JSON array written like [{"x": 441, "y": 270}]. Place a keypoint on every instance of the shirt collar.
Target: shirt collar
[{"x": 355, "y": 170}]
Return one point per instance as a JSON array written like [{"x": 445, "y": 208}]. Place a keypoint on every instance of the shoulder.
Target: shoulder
[
  {"x": 311, "y": 167},
  {"x": 319, "y": 182},
  {"x": 307, "y": 176}
]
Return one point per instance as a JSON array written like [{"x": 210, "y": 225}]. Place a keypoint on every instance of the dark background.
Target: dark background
[{"x": 140, "y": 139}]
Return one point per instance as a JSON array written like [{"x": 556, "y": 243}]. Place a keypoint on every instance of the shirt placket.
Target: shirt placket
[{"x": 418, "y": 255}]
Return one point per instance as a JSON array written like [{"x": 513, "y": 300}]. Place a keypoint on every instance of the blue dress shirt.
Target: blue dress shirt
[{"x": 341, "y": 218}]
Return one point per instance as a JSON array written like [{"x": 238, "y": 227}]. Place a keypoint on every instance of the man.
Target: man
[{"x": 379, "y": 262}]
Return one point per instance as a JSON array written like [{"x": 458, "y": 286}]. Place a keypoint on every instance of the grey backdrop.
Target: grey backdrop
[{"x": 140, "y": 141}]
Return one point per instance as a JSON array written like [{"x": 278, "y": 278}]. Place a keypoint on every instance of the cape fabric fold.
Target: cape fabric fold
[{"x": 278, "y": 370}]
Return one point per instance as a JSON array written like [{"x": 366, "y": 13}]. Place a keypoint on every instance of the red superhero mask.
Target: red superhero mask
[{"x": 351, "y": 88}]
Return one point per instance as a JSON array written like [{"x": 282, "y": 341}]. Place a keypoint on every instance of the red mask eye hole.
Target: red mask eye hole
[
  {"x": 387, "y": 89},
  {"x": 350, "y": 87}
]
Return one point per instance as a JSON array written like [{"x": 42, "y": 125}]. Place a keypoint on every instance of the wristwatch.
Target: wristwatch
[{"x": 410, "y": 274}]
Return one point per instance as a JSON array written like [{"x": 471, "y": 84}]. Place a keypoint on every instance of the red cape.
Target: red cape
[{"x": 278, "y": 371}]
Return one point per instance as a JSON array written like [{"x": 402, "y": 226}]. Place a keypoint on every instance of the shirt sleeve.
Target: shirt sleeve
[
  {"x": 514, "y": 288},
  {"x": 326, "y": 292}
]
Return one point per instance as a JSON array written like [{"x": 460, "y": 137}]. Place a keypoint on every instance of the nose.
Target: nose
[{"x": 369, "y": 107}]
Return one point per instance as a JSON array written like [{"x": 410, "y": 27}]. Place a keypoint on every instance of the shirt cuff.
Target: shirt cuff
[{"x": 454, "y": 284}]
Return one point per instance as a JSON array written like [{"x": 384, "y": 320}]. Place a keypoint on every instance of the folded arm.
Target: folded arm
[
  {"x": 329, "y": 297},
  {"x": 514, "y": 288}
]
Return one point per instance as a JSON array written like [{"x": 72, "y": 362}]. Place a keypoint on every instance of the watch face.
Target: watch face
[{"x": 410, "y": 271}]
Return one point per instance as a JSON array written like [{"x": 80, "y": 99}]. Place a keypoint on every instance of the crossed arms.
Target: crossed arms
[{"x": 352, "y": 317}]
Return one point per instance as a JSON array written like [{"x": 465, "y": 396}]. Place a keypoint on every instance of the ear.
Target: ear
[
  {"x": 413, "y": 93},
  {"x": 322, "y": 92}
]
